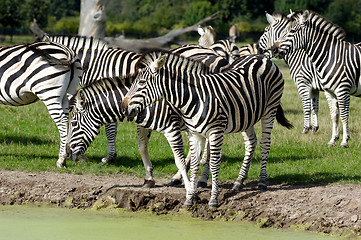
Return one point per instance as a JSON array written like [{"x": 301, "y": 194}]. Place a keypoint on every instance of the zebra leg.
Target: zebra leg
[
  {"x": 177, "y": 178},
  {"x": 344, "y": 105},
  {"x": 250, "y": 143},
  {"x": 304, "y": 91},
  {"x": 334, "y": 112},
  {"x": 175, "y": 141},
  {"x": 143, "y": 139},
  {"x": 215, "y": 151},
  {"x": 111, "y": 133},
  {"x": 62, "y": 124},
  {"x": 205, "y": 161},
  {"x": 196, "y": 148},
  {"x": 314, "y": 110},
  {"x": 265, "y": 144}
]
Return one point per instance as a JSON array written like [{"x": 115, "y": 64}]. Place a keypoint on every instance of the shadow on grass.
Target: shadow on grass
[
  {"x": 318, "y": 178},
  {"x": 126, "y": 161},
  {"x": 271, "y": 159},
  {"x": 24, "y": 140}
]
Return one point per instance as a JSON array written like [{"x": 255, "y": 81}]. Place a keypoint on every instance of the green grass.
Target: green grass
[{"x": 29, "y": 141}]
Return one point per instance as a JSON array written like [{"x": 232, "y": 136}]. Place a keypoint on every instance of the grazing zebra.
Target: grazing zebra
[
  {"x": 337, "y": 61},
  {"x": 41, "y": 70},
  {"x": 99, "y": 103},
  {"x": 212, "y": 105},
  {"x": 99, "y": 61},
  {"x": 302, "y": 71}
]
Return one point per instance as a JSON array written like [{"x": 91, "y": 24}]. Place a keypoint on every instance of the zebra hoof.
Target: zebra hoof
[
  {"x": 188, "y": 202},
  {"x": 61, "y": 165},
  {"x": 262, "y": 187},
  {"x": 237, "y": 186},
  {"x": 344, "y": 145},
  {"x": 149, "y": 184},
  {"x": 201, "y": 184},
  {"x": 108, "y": 159},
  {"x": 330, "y": 144},
  {"x": 305, "y": 130},
  {"x": 175, "y": 182},
  {"x": 314, "y": 129},
  {"x": 213, "y": 203}
]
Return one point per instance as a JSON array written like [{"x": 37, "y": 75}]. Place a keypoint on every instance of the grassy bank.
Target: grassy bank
[{"x": 29, "y": 141}]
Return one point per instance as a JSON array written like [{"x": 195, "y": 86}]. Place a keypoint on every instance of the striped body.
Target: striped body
[
  {"x": 302, "y": 70},
  {"x": 212, "y": 105},
  {"x": 80, "y": 139},
  {"x": 337, "y": 62},
  {"x": 40, "y": 70}
]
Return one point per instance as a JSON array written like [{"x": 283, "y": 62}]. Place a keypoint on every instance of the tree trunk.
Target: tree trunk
[
  {"x": 138, "y": 45},
  {"x": 92, "y": 18}
]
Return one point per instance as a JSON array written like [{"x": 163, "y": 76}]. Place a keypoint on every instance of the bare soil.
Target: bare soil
[{"x": 333, "y": 209}]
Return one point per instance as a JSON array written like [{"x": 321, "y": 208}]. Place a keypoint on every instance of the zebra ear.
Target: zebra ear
[
  {"x": 80, "y": 99},
  {"x": 305, "y": 16},
  {"x": 200, "y": 30},
  {"x": 270, "y": 19},
  {"x": 158, "y": 63}
]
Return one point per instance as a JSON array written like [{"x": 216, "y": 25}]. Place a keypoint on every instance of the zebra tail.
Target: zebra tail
[
  {"x": 71, "y": 58},
  {"x": 281, "y": 119}
]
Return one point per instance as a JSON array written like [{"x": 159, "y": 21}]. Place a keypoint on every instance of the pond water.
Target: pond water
[{"x": 37, "y": 223}]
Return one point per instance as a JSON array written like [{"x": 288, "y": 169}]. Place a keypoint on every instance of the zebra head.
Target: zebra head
[
  {"x": 279, "y": 26},
  {"x": 145, "y": 89},
  {"x": 208, "y": 36},
  {"x": 82, "y": 129},
  {"x": 294, "y": 39}
]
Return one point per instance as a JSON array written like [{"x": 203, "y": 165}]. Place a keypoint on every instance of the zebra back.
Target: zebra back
[
  {"x": 97, "y": 58},
  {"x": 226, "y": 49}
]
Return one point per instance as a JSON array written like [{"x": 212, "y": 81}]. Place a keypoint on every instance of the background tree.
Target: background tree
[{"x": 10, "y": 15}]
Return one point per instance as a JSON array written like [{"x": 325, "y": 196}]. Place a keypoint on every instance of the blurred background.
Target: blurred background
[{"x": 151, "y": 18}]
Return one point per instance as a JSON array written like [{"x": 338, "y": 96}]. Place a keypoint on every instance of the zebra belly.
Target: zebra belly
[{"x": 17, "y": 100}]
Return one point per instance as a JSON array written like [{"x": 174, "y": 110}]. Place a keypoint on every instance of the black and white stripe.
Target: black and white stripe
[
  {"x": 212, "y": 105},
  {"x": 302, "y": 70},
  {"x": 337, "y": 61},
  {"x": 41, "y": 70}
]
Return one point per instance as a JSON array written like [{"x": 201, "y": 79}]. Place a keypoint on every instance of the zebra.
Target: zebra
[
  {"x": 302, "y": 70},
  {"x": 212, "y": 105},
  {"x": 79, "y": 140},
  {"x": 224, "y": 48},
  {"x": 98, "y": 104},
  {"x": 336, "y": 60},
  {"x": 99, "y": 60},
  {"x": 41, "y": 70}
]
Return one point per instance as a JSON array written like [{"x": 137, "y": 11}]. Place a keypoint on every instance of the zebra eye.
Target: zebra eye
[
  {"x": 73, "y": 123},
  {"x": 142, "y": 82}
]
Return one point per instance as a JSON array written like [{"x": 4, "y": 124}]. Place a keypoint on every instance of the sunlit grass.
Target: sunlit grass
[{"x": 29, "y": 141}]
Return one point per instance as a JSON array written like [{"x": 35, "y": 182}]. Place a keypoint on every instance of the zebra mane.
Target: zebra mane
[
  {"x": 279, "y": 15},
  {"x": 99, "y": 43},
  {"x": 322, "y": 23},
  {"x": 193, "y": 65}
]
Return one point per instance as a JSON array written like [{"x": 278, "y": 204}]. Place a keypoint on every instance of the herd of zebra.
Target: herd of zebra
[{"x": 206, "y": 90}]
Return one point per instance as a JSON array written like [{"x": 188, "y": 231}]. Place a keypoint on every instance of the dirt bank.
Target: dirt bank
[{"x": 334, "y": 209}]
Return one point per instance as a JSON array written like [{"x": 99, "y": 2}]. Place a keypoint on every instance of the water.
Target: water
[{"x": 34, "y": 223}]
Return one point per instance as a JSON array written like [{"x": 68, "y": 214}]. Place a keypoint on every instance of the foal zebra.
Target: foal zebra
[
  {"x": 41, "y": 70},
  {"x": 212, "y": 105},
  {"x": 337, "y": 62},
  {"x": 99, "y": 61},
  {"x": 302, "y": 70}
]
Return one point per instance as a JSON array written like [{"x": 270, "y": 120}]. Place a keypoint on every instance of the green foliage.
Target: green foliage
[
  {"x": 10, "y": 14},
  {"x": 37, "y": 9},
  {"x": 68, "y": 25},
  {"x": 196, "y": 11}
]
